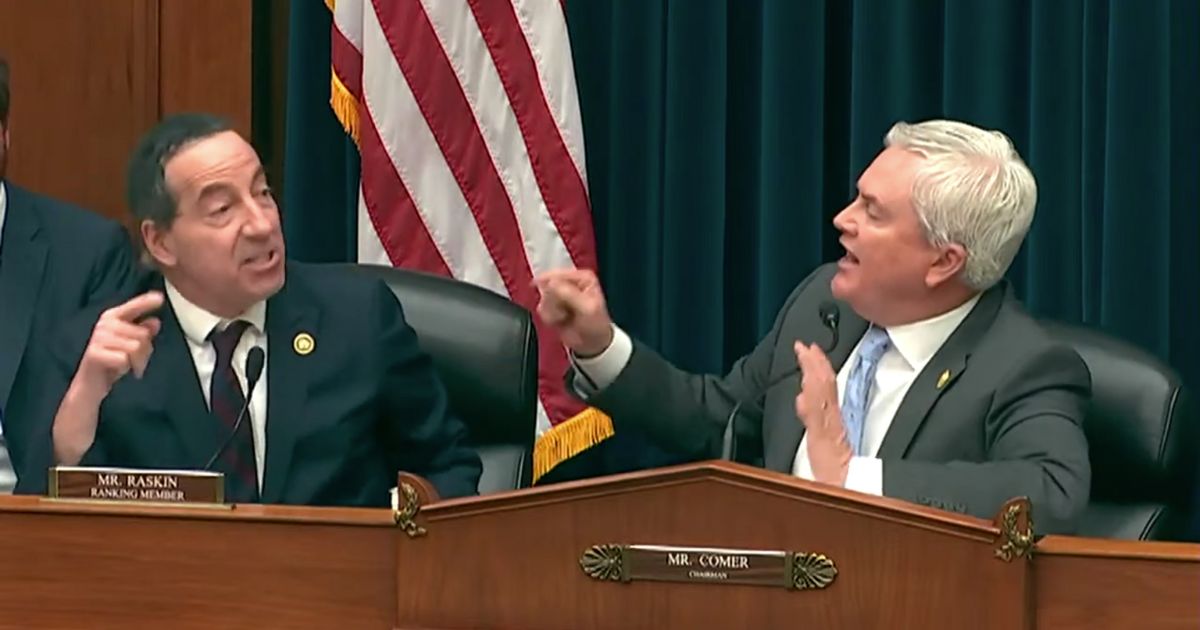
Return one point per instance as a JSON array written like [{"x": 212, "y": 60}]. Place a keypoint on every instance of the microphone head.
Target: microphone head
[
  {"x": 830, "y": 313},
  {"x": 254, "y": 364}
]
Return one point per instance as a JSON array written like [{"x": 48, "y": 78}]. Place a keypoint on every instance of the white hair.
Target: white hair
[{"x": 972, "y": 189}]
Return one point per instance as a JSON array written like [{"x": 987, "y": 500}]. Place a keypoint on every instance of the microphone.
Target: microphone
[
  {"x": 254, "y": 368},
  {"x": 830, "y": 316}
]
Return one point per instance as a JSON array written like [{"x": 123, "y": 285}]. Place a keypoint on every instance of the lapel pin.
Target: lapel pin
[
  {"x": 943, "y": 379},
  {"x": 303, "y": 343}
]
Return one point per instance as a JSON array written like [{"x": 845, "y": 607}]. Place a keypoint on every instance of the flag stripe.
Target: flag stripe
[
  {"x": 545, "y": 29},
  {"x": 445, "y": 110},
  {"x": 348, "y": 19},
  {"x": 413, "y": 156},
  {"x": 468, "y": 125},
  {"x": 391, "y": 210},
  {"x": 437, "y": 204},
  {"x": 561, "y": 185},
  {"x": 467, "y": 53},
  {"x": 346, "y": 62},
  {"x": 370, "y": 248},
  {"x": 444, "y": 107}
]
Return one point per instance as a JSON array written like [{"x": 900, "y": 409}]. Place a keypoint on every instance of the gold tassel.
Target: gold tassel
[
  {"x": 332, "y": 4},
  {"x": 569, "y": 438},
  {"x": 344, "y": 105}
]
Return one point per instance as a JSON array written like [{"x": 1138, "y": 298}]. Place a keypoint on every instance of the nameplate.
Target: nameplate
[
  {"x": 127, "y": 485},
  {"x": 627, "y": 563}
]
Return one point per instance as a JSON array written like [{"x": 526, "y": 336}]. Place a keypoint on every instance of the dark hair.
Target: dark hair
[
  {"x": 3, "y": 91},
  {"x": 146, "y": 182}
]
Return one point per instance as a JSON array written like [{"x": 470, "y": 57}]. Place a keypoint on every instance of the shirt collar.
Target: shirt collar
[
  {"x": 197, "y": 323},
  {"x": 919, "y": 341}
]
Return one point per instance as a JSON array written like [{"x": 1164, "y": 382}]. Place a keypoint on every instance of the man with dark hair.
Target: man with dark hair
[
  {"x": 55, "y": 259},
  {"x": 347, "y": 399}
]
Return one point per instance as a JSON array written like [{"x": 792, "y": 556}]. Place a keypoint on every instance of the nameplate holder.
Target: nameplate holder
[
  {"x": 135, "y": 485},
  {"x": 786, "y": 569}
]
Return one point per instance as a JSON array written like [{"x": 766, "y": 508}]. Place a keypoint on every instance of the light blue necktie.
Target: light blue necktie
[{"x": 858, "y": 386}]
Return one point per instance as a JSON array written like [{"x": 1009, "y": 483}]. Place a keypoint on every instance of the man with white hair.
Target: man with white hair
[{"x": 906, "y": 369}]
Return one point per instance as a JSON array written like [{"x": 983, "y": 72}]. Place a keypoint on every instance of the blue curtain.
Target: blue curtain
[{"x": 320, "y": 164}]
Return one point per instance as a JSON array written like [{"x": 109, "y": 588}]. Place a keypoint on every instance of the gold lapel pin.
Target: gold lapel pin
[
  {"x": 303, "y": 343},
  {"x": 943, "y": 379}
]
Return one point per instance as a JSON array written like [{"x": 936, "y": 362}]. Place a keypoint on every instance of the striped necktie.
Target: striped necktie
[{"x": 238, "y": 461}]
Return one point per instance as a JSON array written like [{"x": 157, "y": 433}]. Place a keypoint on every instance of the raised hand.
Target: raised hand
[
  {"x": 121, "y": 342},
  {"x": 573, "y": 304},
  {"x": 817, "y": 408}
]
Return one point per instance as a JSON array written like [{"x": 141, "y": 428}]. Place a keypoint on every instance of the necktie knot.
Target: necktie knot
[
  {"x": 874, "y": 344},
  {"x": 224, "y": 341}
]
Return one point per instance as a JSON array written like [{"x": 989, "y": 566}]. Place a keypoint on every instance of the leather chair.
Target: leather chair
[
  {"x": 1140, "y": 431},
  {"x": 484, "y": 347}
]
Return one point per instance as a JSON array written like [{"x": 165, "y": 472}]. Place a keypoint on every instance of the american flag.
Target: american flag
[{"x": 466, "y": 117}]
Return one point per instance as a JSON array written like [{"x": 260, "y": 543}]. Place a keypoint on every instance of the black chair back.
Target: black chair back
[
  {"x": 1140, "y": 431},
  {"x": 485, "y": 349}
]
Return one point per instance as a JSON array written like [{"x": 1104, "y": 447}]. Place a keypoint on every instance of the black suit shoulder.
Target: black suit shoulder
[
  {"x": 90, "y": 258},
  {"x": 66, "y": 224},
  {"x": 334, "y": 283},
  {"x": 346, "y": 298}
]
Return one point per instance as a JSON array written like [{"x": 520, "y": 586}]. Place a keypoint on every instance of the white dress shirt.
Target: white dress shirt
[
  {"x": 912, "y": 347},
  {"x": 197, "y": 323},
  {"x": 8, "y": 477}
]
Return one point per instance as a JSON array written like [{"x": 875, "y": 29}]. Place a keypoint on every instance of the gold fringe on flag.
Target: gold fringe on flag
[
  {"x": 332, "y": 4},
  {"x": 344, "y": 105},
  {"x": 569, "y": 438}
]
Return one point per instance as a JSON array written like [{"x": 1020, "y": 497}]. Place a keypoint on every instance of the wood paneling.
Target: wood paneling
[
  {"x": 899, "y": 565},
  {"x": 72, "y": 566},
  {"x": 81, "y": 92},
  {"x": 512, "y": 560},
  {"x": 1088, "y": 583},
  {"x": 88, "y": 78},
  {"x": 205, "y": 58}
]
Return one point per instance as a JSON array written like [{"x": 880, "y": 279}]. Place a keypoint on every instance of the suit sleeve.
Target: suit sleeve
[
  {"x": 55, "y": 362},
  {"x": 685, "y": 412},
  {"x": 423, "y": 436},
  {"x": 1036, "y": 448}
]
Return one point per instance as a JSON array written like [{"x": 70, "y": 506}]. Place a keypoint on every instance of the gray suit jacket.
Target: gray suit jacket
[{"x": 1007, "y": 423}]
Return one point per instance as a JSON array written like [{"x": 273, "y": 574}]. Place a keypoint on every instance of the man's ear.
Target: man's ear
[
  {"x": 158, "y": 243},
  {"x": 949, "y": 263}
]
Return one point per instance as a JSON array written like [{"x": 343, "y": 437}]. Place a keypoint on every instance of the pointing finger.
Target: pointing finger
[{"x": 137, "y": 307}]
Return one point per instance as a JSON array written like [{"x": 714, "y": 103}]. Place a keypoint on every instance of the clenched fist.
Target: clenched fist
[
  {"x": 573, "y": 304},
  {"x": 121, "y": 342}
]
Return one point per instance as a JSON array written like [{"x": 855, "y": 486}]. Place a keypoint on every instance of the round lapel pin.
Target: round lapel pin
[{"x": 303, "y": 343}]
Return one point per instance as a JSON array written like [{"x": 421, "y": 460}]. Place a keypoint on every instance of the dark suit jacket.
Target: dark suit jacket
[
  {"x": 1008, "y": 422},
  {"x": 341, "y": 421},
  {"x": 55, "y": 260}
]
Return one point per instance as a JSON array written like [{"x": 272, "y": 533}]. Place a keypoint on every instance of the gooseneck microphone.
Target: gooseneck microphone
[
  {"x": 254, "y": 368},
  {"x": 830, "y": 316}
]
